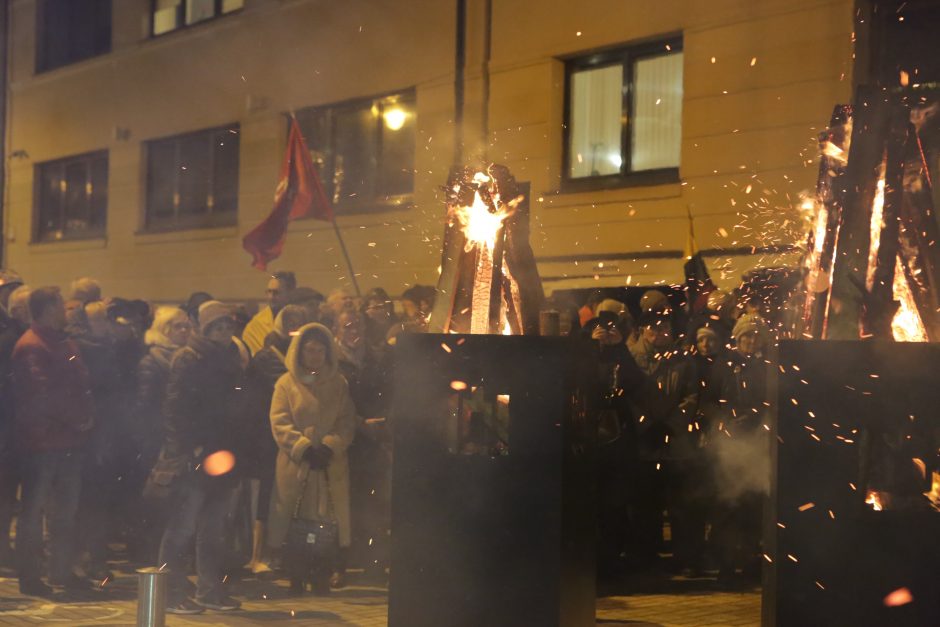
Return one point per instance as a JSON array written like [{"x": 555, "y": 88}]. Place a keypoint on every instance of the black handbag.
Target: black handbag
[{"x": 309, "y": 542}]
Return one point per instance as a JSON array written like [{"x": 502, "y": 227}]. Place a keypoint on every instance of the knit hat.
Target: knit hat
[
  {"x": 211, "y": 311},
  {"x": 653, "y": 300},
  {"x": 292, "y": 317},
  {"x": 702, "y": 331},
  {"x": 748, "y": 323},
  {"x": 611, "y": 305}
]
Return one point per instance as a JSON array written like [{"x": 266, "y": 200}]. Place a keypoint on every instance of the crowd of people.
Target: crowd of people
[
  {"x": 194, "y": 435},
  {"x": 687, "y": 395}
]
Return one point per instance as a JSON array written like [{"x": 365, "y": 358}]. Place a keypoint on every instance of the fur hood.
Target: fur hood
[{"x": 314, "y": 329}]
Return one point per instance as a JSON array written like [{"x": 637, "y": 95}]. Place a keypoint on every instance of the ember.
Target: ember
[{"x": 901, "y": 596}]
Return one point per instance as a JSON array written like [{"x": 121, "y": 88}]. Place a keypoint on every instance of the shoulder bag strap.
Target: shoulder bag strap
[{"x": 303, "y": 489}]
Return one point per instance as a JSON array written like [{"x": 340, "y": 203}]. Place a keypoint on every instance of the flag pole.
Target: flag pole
[
  {"x": 342, "y": 245},
  {"x": 339, "y": 237}
]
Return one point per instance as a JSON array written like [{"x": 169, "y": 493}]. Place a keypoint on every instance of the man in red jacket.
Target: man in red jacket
[{"x": 54, "y": 411}]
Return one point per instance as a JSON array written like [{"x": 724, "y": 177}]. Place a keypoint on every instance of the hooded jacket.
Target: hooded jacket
[{"x": 310, "y": 409}]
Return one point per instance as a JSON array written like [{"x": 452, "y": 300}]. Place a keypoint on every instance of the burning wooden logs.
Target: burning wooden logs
[
  {"x": 875, "y": 236},
  {"x": 489, "y": 281}
]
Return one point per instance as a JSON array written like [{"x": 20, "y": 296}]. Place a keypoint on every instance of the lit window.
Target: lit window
[
  {"x": 192, "y": 180},
  {"x": 169, "y": 15},
  {"x": 625, "y": 113},
  {"x": 364, "y": 150},
  {"x": 71, "y": 198}
]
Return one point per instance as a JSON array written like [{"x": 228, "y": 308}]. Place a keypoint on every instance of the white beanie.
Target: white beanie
[
  {"x": 210, "y": 311},
  {"x": 748, "y": 323},
  {"x": 653, "y": 300}
]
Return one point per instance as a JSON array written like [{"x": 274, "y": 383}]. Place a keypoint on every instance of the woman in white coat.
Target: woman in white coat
[{"x": 313, "y": 421}]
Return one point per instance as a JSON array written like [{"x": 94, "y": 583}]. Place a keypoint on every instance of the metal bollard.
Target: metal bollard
[{"x": 151, "y": 597}]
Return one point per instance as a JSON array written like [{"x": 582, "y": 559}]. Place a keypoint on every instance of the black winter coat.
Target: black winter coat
[
  {"x": 205, "y": 402},
  {"x": 667, "y": 403},
  {"x": 267, "y": 366},
  {"x": 107, "y": 389},
  {"x": 746, "y": 391},
  {"x": 10, "y": 332},
  {"x": 153, "y": 373}
]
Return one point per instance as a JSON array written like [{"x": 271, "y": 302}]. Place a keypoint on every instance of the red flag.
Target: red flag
[{"x": 299, "y": 194}]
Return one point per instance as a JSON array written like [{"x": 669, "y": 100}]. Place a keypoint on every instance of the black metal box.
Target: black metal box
[
  {"x": 492, "y": 485},
  {"x": 851, "y": 415}
]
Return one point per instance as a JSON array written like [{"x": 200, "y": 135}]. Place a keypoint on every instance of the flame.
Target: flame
[
  {"x": 877, "y": 223},
  {"x": 480, "y": 225},
  {"x": 816, "y": 239},
  {"x": 874, "y": 499},
  {"x": 934, "y": 494},
  {"x": 480, "y": 221},
  {"x": 907, "y": 325}
]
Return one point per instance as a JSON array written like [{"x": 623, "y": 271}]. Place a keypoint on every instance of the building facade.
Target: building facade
[{"x": 144, "y": 137}]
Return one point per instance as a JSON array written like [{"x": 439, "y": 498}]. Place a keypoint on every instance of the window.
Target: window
[
  {"x": 170, "y": 15},
  {"x": 71, "y": 198},
  {"x": 364, "y": 150},
  {"x": 69, "y": 31},
  {"x": 624, "y": 115},
  {"x": 192, "y": 180}
]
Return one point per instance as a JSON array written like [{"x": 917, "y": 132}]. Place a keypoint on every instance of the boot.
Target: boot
[
  {"x": 338, "y": 577},
  {"x": 258, "y": 564},
  {"x": 297, "y": 587}
]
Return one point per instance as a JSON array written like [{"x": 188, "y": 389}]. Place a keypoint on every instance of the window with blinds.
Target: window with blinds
[{"x": 623, "y": 117}]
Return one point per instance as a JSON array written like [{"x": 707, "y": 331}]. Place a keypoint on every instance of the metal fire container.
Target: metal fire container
[
  {"x": 852, "y": 419},
  {"x": 493, "y": 484},
  {"x": 151, "y": 597},
  {"x": 549, "y": 323}
]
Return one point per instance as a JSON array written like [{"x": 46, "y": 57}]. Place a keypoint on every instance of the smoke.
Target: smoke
[{"x": 742, "y": 464}]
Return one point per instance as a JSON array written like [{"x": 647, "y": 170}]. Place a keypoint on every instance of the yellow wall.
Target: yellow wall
[{"x": 276, "y": 55}]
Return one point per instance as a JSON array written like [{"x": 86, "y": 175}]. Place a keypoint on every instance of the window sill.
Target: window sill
[
  {"x": 401, "y": 203},
  {"x": 68, "y": 244},
  {"x": 42, "y": 69},
  {"x": 187, "y": 233},
  {"x": 648, "y": 178}
]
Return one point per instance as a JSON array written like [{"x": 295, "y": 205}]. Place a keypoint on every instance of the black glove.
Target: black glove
[{"x": 318, "y": 456}]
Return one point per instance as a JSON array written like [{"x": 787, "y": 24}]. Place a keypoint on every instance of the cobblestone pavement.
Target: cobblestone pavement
[{"x": 677, "y": 603}]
